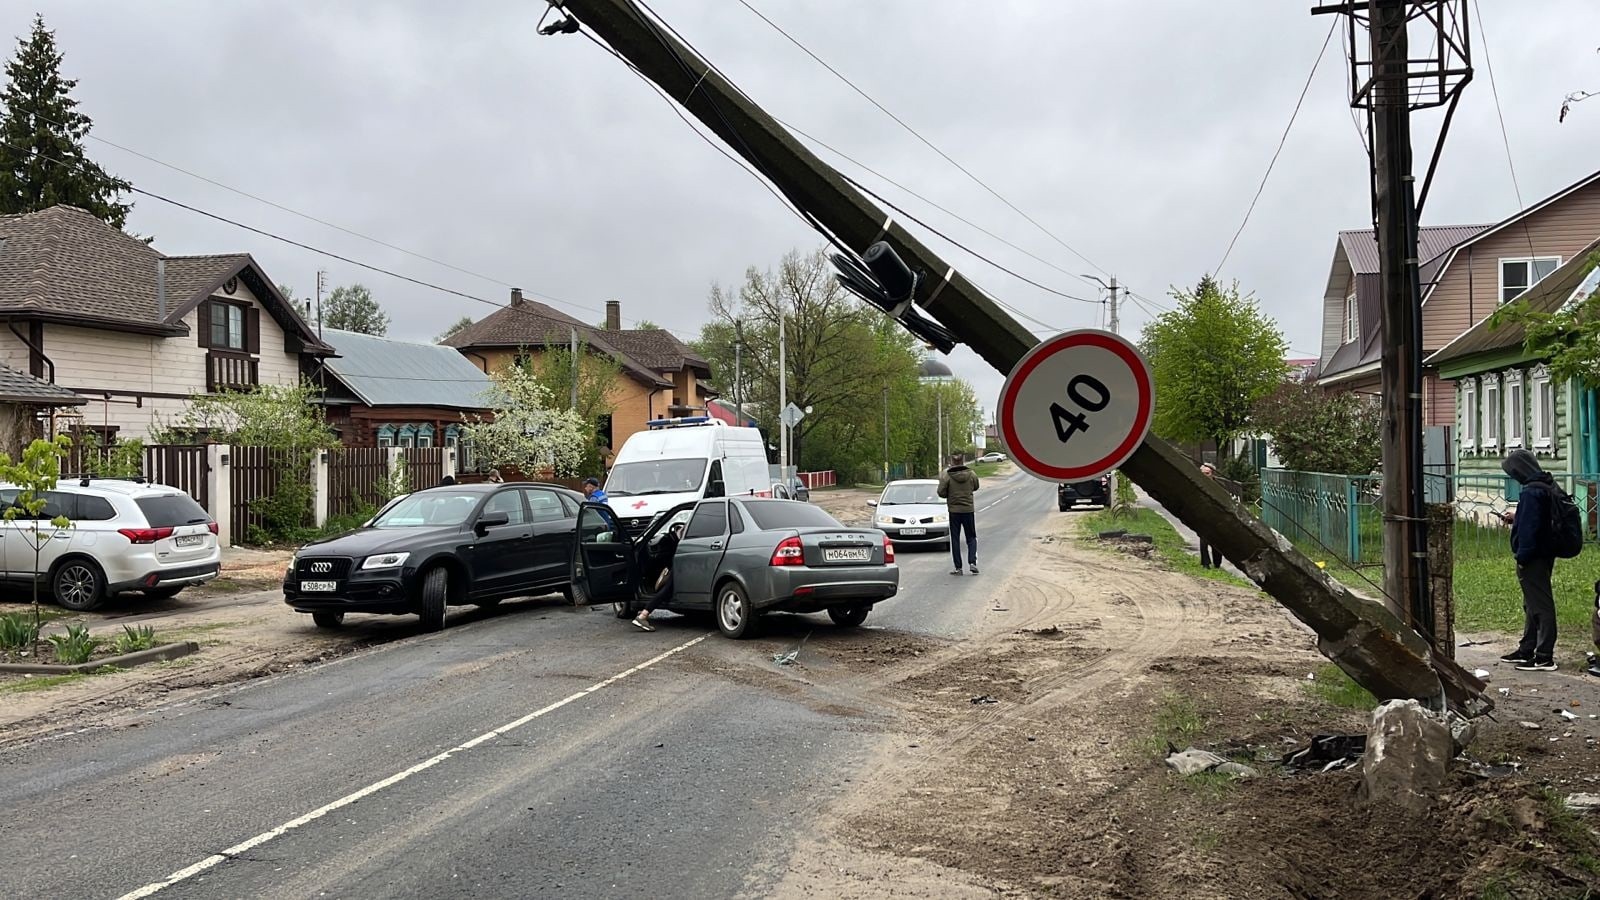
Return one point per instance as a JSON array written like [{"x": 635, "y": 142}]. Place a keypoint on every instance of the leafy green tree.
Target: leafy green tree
[
  {"x": 529, "y": 429},
  {"x": 352, "y": 308},
  {"x": 1568, "y": 339},
  {"x": 1313, "y": 430},
  {"x": 42, "y": 159},
  {"x": 1213, "y": 358},
  {"x": 597, "y": 375},
  {"x": 285, "y": 418},
  {"x": 841, "y": 355},
  {"x": 455, "y": 328},
  {"x": 36, "y": 472}
]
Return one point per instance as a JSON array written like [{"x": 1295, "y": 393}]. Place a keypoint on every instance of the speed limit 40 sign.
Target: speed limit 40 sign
[{"x": 1076, "y": 406}]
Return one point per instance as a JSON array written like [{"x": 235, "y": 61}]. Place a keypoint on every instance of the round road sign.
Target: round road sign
[{"x": 1076, "y": 406}]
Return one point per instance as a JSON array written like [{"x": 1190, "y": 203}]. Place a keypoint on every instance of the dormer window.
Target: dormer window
[
  {"x": 1352, "y": 319},
  {"x": 1517, "y": 275}
]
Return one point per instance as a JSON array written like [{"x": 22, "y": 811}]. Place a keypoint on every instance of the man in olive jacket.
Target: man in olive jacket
[{"x": 956, "y": 486}]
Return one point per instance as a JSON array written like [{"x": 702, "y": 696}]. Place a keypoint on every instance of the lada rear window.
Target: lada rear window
[{"x": 775, "y": 514}]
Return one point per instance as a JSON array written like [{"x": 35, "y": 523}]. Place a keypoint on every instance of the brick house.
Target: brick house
[{"x": 669, "y": 384}]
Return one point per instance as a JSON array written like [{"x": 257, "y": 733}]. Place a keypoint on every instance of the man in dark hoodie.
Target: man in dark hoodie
[
  {"x": 956, "y": 486},
  {"x": 1532, "y": 543}
]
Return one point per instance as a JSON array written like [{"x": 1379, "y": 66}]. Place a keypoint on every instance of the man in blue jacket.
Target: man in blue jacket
[{"x": 1532, "y": 543}]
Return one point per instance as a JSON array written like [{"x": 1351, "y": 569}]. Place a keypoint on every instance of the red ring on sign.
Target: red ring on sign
[{"x": 1105, "y": 341}]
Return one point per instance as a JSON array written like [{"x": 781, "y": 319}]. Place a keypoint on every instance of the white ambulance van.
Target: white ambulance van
[{"x": 678, "y": 460}]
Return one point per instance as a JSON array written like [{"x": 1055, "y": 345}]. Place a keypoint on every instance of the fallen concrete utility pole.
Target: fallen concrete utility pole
[{"x": 1360, "y": 636}]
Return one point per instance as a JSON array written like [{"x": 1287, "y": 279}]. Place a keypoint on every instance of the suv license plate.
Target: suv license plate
[
  {"x": 319, "y": 585},
  {"x": 913, "y": 532},
  {"x": 188, "y": 540},
  {"x": 848, "y": 554}
]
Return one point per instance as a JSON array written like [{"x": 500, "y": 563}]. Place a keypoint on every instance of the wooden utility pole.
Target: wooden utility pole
[
  {"x": 1405, "y": 542},
  {"x": 1363, "y": 638}
]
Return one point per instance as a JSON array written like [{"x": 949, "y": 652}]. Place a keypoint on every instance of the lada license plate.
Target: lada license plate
[{"x": 847, "y": 554}]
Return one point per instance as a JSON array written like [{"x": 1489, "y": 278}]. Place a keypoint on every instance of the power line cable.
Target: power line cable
[
  {"x": 1505, "y": 137},
  {"x": 947, "y": 211},
  {"x": 334, "y": 225},
  {"x": 772, "y": 185},
  {"x": 302, "y": 245},
  {"x": 1277, "y": 152},
  {"x": 914, "y": 133},
  {"x": 741, "y": 92}
]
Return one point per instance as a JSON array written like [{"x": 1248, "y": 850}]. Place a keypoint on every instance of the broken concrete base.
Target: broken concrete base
[{"x": 1408, "y": 756}]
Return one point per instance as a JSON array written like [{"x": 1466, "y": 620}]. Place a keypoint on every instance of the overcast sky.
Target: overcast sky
[{"x": 1135, "y": 132}]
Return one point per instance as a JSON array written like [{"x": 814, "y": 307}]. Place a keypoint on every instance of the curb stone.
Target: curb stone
[{"x": 125, "y": 661}]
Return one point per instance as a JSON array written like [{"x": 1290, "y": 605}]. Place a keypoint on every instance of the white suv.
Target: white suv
[{"x": 126, "y": 535}]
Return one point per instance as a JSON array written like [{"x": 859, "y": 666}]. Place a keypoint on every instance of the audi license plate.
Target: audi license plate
[
  {"x": 847, "y": 554},
  {"x": 319, "y": 585},
  {"x": 188, "y": 540},
  {"x": 913, "y": 532}
]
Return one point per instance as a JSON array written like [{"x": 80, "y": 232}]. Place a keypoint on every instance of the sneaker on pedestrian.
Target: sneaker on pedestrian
[
  {"x": 973, "y": 568},
  {"x": 1517, "y": 656},
  {"x": 643, "y": 624},
  {"x": 1538, "y": 665},
  {"x": 956, "y": 571}
]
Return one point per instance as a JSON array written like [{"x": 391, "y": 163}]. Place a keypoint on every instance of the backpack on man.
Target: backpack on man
[{"x": 1566, "y": 524}]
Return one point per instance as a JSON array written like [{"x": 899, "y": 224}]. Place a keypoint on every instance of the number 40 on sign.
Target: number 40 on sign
[{"x": 1076, "y": 406}]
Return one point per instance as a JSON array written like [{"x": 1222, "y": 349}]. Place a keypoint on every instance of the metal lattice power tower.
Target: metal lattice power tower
[{"x": 1389, "y": 80}]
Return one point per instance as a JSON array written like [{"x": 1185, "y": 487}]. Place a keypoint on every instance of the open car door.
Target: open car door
[{"x": 605, "y": 567}]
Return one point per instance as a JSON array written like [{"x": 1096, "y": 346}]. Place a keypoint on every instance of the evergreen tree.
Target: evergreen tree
[{"x": 42, "y": 161}]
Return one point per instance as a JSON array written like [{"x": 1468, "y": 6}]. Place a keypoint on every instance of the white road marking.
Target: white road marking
[{"x": 218, "y": 858}]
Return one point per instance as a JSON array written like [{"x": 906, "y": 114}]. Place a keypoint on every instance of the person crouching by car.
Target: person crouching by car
[{"x": 660, "y": 582}]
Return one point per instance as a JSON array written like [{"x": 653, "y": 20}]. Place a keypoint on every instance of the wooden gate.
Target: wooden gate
[
  {"x": 424, "y": 467},
  {"x": 183, "y": 466},
  {"x": 357, "y": 477},
  {"x": 256, "y": 473}
]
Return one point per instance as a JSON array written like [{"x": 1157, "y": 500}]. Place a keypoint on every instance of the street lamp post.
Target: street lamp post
[{"x": 936, "y": 373}]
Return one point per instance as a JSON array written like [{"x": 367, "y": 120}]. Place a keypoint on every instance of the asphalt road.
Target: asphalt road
[{"x": 540, "y": 751}]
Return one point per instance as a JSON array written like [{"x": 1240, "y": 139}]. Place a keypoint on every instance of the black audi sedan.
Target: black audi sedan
[{"x": 446, "y": 546}]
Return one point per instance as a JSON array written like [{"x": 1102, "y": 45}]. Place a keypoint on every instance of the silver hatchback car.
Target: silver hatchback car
[
  {"x": 738, "y": 559},
  {"x": 124, "y": 535}
]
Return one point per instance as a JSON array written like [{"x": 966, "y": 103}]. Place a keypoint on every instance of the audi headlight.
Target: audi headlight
[
  {"x": 293, "y": 561},
  {"x": 384, "y": 561}
]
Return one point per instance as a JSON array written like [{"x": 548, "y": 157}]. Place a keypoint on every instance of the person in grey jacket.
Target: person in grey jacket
[{"x": 956, "y": 486}]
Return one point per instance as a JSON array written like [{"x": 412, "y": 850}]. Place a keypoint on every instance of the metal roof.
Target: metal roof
[
  {"x": 1361, "y": 245},
  {"x": 1572, "y": 282},
  {"x": 386, "y": 372}
]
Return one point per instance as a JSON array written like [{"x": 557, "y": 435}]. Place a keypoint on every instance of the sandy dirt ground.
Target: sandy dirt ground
[{"x": 1095, "y": 661}]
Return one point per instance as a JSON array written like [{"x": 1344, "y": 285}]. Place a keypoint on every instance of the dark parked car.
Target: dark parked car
[
  {"x": 1096, "y": 491},
  {"x": 446, "y": 546},
  {"x": 798, "y": 490},
  {"x": 738, "y": 559}
]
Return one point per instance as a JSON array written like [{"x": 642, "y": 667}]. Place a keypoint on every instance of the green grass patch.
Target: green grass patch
[
  {"x": 39, "y": 683},
  {"x": 1177, "y": 722},
  {"x": 1488, "y": 597},
  {"x": 984, "y": 470},
  {"x": 1171, "y": 548},
  {"x": 1334, "y": 687}
]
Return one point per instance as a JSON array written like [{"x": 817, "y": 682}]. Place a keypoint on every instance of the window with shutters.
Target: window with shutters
[{"x": 231, "y": 332}]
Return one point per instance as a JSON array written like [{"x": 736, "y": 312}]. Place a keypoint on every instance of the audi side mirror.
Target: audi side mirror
[{"x": 491, "y": 520}]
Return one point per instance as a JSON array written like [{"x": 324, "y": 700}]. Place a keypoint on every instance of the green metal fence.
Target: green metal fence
[{"x": 1341, "y": 515}]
